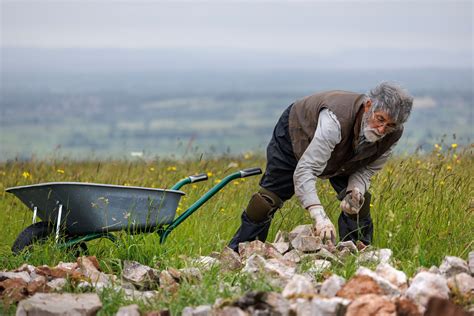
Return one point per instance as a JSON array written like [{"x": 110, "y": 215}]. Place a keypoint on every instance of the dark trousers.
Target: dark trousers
[{"x": 278, "y": 178}]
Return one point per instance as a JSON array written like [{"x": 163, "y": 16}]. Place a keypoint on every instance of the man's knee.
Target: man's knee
[{"x": 262, "y": 205}]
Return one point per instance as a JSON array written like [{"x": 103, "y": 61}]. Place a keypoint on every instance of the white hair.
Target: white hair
[{"x": 392, "y": 99}]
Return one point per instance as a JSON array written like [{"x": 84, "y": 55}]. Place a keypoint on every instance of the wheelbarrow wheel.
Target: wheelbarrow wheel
[{"x": 40, "y": 232}]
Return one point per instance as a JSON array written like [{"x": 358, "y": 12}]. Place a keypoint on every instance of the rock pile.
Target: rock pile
[{"x": 291, "y": 263}]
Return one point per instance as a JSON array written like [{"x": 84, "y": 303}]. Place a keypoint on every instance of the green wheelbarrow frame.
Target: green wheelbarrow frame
[{"x": 163, "y": 230}]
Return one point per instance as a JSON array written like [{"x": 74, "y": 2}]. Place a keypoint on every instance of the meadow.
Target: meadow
[{"x": 422, "y": 207}]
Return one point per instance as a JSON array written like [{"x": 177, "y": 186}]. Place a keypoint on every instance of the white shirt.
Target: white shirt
[{"x": 314, "y": 160}]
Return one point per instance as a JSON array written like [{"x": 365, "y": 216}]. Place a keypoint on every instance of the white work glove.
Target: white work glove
[
  {"x": 322, "y": 224},
  {"x": 352, "y": 202}
]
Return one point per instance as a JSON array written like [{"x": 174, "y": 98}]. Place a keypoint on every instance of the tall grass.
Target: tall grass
[{"x": 422, "y": 209}]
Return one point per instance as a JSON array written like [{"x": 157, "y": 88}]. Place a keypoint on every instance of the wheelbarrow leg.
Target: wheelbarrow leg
[
  {"x": 35, "y": 211},
  {"x": 58, "y": 225}
]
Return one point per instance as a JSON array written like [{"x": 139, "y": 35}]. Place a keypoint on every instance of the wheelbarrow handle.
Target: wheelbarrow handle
[
  {"x": 198, "y": 177},
  {"x": 250, "y": 172}
]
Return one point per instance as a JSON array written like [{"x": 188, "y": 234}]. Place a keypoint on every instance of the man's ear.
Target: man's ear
[{"x": 367, "y": 105}]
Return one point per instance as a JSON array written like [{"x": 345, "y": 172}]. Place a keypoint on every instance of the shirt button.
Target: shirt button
[{"x": 342, "y": 169}]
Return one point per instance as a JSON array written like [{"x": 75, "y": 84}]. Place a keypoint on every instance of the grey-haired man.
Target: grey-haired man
[{"x": 342, "y": 136}]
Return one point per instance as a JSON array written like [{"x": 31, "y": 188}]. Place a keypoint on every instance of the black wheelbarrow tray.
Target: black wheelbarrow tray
[{"x": 78, "y": 212}]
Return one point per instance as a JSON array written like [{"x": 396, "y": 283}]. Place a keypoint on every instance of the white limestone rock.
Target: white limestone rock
[
  {"x": 130, "y": 310},
  {"x": 299, "y": 286},
  {"x": 425, "y": 285},
  {"x": 140, "y": 275},
  {"x": 60, "y": 304},
  {"x": 389, "y": 288},
  {"x": 375, "y": 256},
  {"x": 202, "y": 310},
  {"x": 462, "y": 283},
  {"x": 16, "y": 275},
  {"x": 307, "y": 243},
  {"x": 394, "y": 276},
  {"x": 452, "y": 266},
  {"x": 332, "y": 285}
]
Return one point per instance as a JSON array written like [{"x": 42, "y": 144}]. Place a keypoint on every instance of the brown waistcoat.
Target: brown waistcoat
[{"x": 348, "y": 108}]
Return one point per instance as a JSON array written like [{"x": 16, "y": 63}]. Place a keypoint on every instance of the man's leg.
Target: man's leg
[
  {"x": 276, "y": 187},
  {"x": 353, "y": 227},
  {"x": 256, "y": 218}
]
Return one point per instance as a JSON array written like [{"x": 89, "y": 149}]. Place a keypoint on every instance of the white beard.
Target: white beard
[{"x": 371, "y": 134}]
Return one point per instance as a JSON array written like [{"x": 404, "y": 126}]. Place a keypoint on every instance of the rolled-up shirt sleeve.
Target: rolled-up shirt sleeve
[
  {"x": 361, "y": 178},
  {"x": 314, "y": 160}
]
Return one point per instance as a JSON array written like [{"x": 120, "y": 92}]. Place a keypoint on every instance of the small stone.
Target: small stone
[
  {"x": 347, "y": 245},
  {"x": 60, "y": 304},
  {"x": 299, "y": 286},
  {"x": 25, "y": 268},
  {"x": 25, "y": 276},
  {"x": 74, "y": 265},
  {"x": 140, "y": 275},
  {"x": 332, "y": 285},
  {"x": 281, "y": 247},
  {"x": 325, "y": 254},
  {"x": 462, "y": 284},
  {"x": 175, "y": 273},
  {"x": 375, "y": 256},
  {"x": 371, "y": 305},
  {"x": 39, "y": 284},
  {"x": 442, "y": 307},
  {"x": 433, "y": 269},
  {"x": 301, "y": 230},
  {"x": 57, "y": 284},
  {"x": 359, "y": 285},
  {"x": 281, "y": 236},
  {"x": 425, "y": 285},
  {"x": 191, "y": 275},
  {"x": 387, "y": 287},
  {"x": 202, "y": 310},
  {"x": 88, "y": 266},
  {"x": 277, "y": 303},
  {"x": 318, "y": 266},
  {"x": 230, "y": 260},
  {"x": 130, "y": 310},
  {"x": 344, "y": 253},
  {"x": 293, "y": 256},
  {"x": 13, "y": 290},
  {"x": 392, "y": 275},
  {"x": 167, "y": 282},
  {"x": 267, "y": 251},
  {"x": 307, "y": 243},
  {"x": 406, "y": 307},
  {"x": 205, "y": 262},
  {"x": 321, "y": 307},
  {"x": 452, "y": 266}
]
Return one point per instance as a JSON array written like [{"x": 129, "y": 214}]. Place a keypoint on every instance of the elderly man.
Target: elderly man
[{"x": 342, "y": 136}]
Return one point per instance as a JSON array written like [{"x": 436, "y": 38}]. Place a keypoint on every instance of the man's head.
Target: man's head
[{"x": 387, "y": 108}]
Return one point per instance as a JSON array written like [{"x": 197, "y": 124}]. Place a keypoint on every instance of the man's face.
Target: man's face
[{"x": 377, "y": 124}]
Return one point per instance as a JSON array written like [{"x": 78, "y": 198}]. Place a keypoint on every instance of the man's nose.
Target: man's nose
[{"x": 381, "y": 129}]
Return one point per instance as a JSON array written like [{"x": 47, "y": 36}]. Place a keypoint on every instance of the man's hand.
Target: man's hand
[
  {"x": 352, "y": 202},
  {"x": 322, "y": 224}
]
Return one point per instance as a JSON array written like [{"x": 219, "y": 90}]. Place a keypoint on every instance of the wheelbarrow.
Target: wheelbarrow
[{"x": 79, "y": 212}]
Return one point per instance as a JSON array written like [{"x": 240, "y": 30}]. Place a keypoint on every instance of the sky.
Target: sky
[{"x": 417, "y": 29}]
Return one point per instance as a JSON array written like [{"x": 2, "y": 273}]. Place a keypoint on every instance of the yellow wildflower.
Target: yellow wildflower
[
  {"x": 209, "y": 174},
  {"x": 454, "y": 146},
  {"x": 171, "y": 168},
  {"x": 26, "y": 174},
  {"x": 217, "y": 181},
  {"x": 441, "y": 182},
  {"x": 437, "y": 146},
  {"x": 247, "y": 156},
  {"x": 236, "y": 182},
  {"x": 449, "y": 168},
  {"x": 222, "y": 209},
  {"x": 371, "y": 205},
  {"x": 152, "y": 169},
  {"x": 60, "y": 171},
  {"x": 194, "y": 186}
]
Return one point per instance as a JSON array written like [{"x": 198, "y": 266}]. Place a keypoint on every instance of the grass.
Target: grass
[{"x": 422, "y": 210}]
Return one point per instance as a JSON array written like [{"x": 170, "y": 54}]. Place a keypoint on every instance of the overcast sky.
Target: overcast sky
[{"x": 406, "y": 33}]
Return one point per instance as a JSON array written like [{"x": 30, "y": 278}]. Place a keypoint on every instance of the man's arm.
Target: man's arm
[
  {"x": 315, "y": 158},
  {"x": 361, "y": 178}
]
